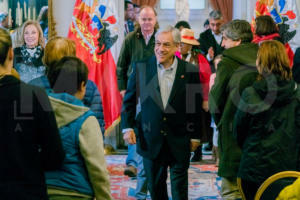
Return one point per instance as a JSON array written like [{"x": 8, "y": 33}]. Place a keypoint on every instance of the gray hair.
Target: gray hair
[
  {"x": 215, "y": 15},
  {"x": 238, "y": 30},
  {"x": 175, "y": 33}
]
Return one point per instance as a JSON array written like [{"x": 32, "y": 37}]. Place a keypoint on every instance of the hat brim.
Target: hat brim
[{"x": 192, "y": 42}]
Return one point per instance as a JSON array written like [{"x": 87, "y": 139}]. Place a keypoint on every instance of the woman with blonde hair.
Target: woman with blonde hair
[
  {"x": 267, "y": 122},
  {"x": 57, "y": 48},
  {"x": 28, "y": 57}
]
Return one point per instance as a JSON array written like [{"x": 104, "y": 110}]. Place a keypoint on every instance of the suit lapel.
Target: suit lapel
[
  {"x": 213, "y": 40},
  {"x": 152, "y": 78},
  {"x": 179, "y": 80}
]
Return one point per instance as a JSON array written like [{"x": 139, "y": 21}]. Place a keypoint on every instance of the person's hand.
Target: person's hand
[
  {"x": 122, "y": 92},
  {"x": 211, "y": 53},
  {"x": 129, "y": 137},
  {"x": 194, "y": 145},
  {"x": 205, "y": 106}
]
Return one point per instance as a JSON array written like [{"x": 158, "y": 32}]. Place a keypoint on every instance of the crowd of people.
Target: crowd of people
[{"x": 233, "y": 88}]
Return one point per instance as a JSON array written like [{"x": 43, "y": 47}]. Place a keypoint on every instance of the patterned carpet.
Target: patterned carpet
[{"x": 204, "y": 184}]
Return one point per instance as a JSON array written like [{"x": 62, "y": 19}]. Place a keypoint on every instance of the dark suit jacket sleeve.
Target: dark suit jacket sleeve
[
  {"x": 205, "y": 44},
  {"x": 123, "y": 64},
  {"x": 52, "y": 153},
  {"x": 196, "y": 90},
  {"x": 296, "y": 66},
  {"x": 130, "y": 101}
]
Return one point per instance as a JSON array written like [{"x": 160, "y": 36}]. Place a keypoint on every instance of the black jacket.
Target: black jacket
[
  {"x": 267, "y": 127},
  {"x": 29, "y": 140},
  {"x": 296, "y": 66},
  {"x": 236, "y": 71},
  {"x": 207, "y": 40},
  {"x": 178, "y": 123}
]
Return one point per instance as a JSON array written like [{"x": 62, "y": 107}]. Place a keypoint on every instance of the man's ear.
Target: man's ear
[
  {"x": 10, "y": 54},
  {"x": 82, "y": 86},
  {"x": 239, "y": 42}
]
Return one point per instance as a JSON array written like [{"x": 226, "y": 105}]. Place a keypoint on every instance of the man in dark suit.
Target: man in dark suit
[
  {"x": 210, "y": 46},
  {"x": 210, "y": 40},
  {"x": 166, "y": 91}
]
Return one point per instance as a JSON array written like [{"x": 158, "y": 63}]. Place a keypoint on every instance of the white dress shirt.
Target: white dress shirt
[
  {"x": 147, "y": 37},
  {"x": 218, "y": 39},
  {"x": 166, "y": 77}
]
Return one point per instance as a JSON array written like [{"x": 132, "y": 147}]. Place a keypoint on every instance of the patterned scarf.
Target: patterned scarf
[{"x": 31, "y": 55}]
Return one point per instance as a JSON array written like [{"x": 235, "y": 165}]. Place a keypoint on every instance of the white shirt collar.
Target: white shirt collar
[{"x": 173, "y": 66}]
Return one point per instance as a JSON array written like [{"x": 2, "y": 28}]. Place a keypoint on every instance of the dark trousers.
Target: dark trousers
[
  {"x": 249, "y": 189},
  {"x": 157, "y": 173}
]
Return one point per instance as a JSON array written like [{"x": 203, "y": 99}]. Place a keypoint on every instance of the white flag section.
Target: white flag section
[
  {"x": 289, "y": 12},
  {"x": 115, "y": 8},
  {"x": 286, "y": 14},
  {"x": 63, "y": 12},
  {"x": 296, "y": 42},
  {"x": 182, "y": 10}
]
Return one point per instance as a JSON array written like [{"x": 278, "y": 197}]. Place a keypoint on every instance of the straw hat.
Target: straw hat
[{"x": 187, "y": 36}]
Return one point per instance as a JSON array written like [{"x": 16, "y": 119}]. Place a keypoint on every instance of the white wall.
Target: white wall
[
  {"x": 197, "y": 18},
  {"x": 4, "y": 6},
  {"x": 243, "y": 9},
  {"x": 62, "y": 12}
]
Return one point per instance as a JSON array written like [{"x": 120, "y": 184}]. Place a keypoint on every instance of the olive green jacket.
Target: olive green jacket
[
  {"x": 134, "y": 49},
  {"x": 235, "y": 72}
]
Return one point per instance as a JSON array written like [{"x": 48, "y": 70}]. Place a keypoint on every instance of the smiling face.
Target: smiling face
[
  {"x": 147, "y": 20},
  {"x": 31, "y": 36},
  {"x": 165, "y": 48}
]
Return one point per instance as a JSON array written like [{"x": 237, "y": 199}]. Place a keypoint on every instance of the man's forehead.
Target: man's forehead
[
  {"x": 164, "y": 37},
  {"x": 147, "y": 12},
  {"x": 215, "y": 21}
]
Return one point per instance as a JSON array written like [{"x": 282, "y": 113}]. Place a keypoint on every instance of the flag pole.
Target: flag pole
[{"x": 52, "y": 23}]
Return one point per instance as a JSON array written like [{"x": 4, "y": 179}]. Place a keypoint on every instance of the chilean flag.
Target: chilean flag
[{"x": 91, "y": 33}]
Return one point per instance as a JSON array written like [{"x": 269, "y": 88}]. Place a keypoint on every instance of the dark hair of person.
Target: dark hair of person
[
  {"x": 136, "y": 6},
  {"x": 43, "y": 15},
  {"x": 206, "y": 23},
  {"x": 273, "y": 59},
  {"x": 265, "y": 25},
  {"x": 238, "y": 30},
  {"x": 67, "y": 75},
  {"x": 126, "y": 4},
  {"x": 184, "y": 24},
  {"x": 5, "y": 45}
]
